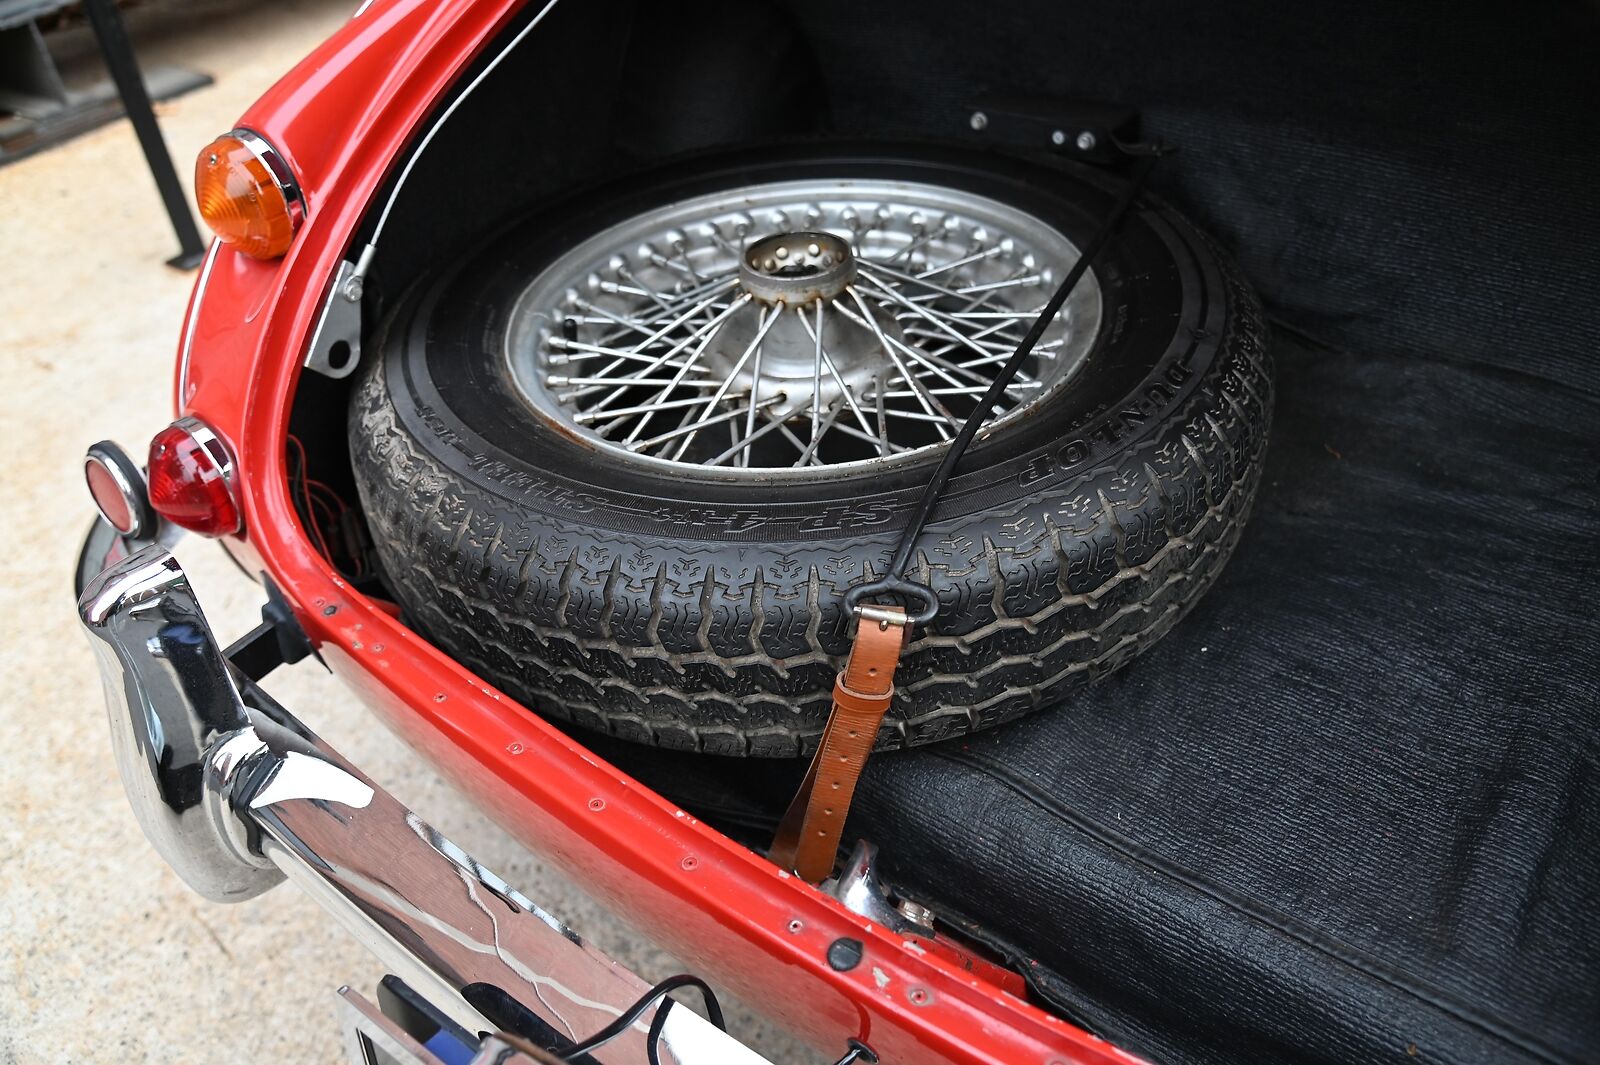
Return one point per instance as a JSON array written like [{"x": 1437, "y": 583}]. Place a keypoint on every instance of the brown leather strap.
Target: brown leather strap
[{"x": 808, "y": 835}]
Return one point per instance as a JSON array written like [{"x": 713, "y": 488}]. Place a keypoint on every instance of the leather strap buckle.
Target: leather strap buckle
[{"x": 808, "y": 837}]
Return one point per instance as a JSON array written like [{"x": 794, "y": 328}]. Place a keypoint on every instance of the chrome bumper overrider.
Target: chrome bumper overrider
[{"x": 236, "y": 798}]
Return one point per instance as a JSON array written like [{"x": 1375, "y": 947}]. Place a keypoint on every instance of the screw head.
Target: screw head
[
  {"x": 980, "y": 121},
  {"x": 1086, "y": 141},
  {"x": 1059, "y": 137}
]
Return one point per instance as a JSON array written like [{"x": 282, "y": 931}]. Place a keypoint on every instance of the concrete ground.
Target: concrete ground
[{"x": 104, "y": 955}]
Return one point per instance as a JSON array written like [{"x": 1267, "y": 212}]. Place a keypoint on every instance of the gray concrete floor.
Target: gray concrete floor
[{"x": 104, "y": 955}]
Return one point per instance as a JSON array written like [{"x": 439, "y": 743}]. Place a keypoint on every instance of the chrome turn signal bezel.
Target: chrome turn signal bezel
[
  {"x": 248, "y": 194},
  {"x": 278, "y": 167}
]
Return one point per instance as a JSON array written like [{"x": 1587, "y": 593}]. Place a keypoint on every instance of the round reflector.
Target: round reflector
[
  {"x": 191, "y": 476},
  {"x": 117, "y": 485},
  {"x": 247, "y": 194}
]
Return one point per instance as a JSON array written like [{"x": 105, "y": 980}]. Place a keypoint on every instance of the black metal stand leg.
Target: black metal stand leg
[{"x": 118, "y": 51}]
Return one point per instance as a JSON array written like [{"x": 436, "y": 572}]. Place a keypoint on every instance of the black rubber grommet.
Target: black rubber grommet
[{"x": 844, "y": 954}]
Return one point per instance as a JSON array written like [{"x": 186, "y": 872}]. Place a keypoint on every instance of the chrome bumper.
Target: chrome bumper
[{"x": 237, "y": 797}]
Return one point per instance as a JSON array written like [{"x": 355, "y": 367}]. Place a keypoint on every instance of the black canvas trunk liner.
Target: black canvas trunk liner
[{"x": 1349, "y": 809}]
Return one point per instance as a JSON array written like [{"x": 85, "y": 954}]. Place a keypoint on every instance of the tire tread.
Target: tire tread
[{"x": 667, "y": 644}]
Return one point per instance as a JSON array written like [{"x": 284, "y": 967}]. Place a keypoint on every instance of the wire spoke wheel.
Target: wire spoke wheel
[
  {"x": 628, "y": 459},
  {"x": 789, "y": 326}
]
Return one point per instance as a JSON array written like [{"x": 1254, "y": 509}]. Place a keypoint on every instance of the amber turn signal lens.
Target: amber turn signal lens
[{"x": 240, "y": 200}]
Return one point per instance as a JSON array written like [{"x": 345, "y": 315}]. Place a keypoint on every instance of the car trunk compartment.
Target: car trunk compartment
[{"x": 1347, "y": 809}]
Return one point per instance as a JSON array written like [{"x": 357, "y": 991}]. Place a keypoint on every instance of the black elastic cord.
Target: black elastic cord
[
  {"x": 894, "y": 582},
  {"x": 631, "y": 1016}
]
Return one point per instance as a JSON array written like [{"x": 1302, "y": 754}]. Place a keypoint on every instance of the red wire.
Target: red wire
[
  {"x": 333, "y": 508},
  {"x": 312, "y": 525}
]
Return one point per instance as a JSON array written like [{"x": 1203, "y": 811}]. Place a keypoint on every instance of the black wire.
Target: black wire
[
  {"x": 894, "y": 581},
  {"x": 858, "y": 1052},
  {"x": 652, "y": 1042},
  {"x": 631, "y": 1016}
]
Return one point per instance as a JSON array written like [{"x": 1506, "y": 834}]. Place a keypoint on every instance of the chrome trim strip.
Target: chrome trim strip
[
  {"x": 236, "y": 799},
  {"x": 186, "y": 345}
]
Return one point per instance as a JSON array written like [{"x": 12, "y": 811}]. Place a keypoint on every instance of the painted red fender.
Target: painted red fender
[{"x": 342, "y": 118}]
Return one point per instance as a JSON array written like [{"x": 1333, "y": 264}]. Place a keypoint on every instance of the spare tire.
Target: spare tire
[{"x": 605, "y": 468}]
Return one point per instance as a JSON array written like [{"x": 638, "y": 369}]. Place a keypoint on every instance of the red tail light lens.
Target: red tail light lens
[{"x": 191, "y": 479}]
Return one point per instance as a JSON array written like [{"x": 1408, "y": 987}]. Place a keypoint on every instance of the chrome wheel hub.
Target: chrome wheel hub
[
  {"x": 794, "y": 269},
  {"x": 797, "y": 271},
  {"x": 789, "y": 326}
]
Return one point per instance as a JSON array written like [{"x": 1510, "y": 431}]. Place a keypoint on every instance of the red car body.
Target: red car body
[{"x": 342, "y": 119}]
